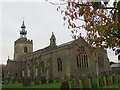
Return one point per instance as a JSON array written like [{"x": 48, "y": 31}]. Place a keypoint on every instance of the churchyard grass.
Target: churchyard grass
[
  {"x": 50, "y": 85},
  {"x": 19, "y": 85},
  {"x": 113, "y": 86}
]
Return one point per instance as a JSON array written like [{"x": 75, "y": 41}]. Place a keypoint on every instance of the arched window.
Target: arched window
[
  {"x": 28, "y": 67},
  {"x": 25, "y": 49},
  {"x": 7, "y": 71},
  {"x": 59, "y": 62},
  {"x": 16, "y": 74},
  {"x": 28, "y": 72},
  {"x": 82, "y": 59},
  {"x": 36, "y": 69},
  {"x": 42, "y": 67},
  {"x": 23, "y": 73},
  {"x": 100, "y": 60}
]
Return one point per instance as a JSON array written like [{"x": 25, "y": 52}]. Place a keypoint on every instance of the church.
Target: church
[{"x": 69, "y": 60}]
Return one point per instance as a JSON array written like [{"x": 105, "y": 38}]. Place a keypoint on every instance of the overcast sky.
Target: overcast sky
[{"x": 41, "y": 19}]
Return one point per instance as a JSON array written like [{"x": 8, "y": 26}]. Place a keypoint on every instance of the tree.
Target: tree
[{"x": 101, "y": 22}]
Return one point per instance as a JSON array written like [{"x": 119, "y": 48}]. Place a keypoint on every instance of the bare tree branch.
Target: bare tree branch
[
  {"x": 80, "y": 19},
  {"x": 56, "y": 3},
  {"x": 91, "y": 5}
]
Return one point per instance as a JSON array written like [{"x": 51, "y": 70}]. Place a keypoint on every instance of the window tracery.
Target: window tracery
[{"x": 82, "y": 58}]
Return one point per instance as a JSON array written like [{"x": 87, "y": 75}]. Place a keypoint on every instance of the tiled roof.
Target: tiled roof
[
  {"x": 115, "y": 65},
  {"x": 15, "y": 60}
]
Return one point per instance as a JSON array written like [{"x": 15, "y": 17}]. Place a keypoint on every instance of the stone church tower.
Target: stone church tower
[{"x": 22, "y": 45}]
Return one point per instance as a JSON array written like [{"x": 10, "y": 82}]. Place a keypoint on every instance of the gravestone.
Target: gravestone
[
  {"x": 110, "y": 73},
  {"x": 8, "y": 80},
  {"x": 93, "y": 82},
  {"x": 101, "y": 82},
  {"x": 85, "y": 83},
  {"x": 26, "y": 81},
  {"x": 115, "y": 79},
  {"x": 119, "y": 79},
  {"x": 104, "y": 73},
  {"x": 36, "y": 81},
  {"x": 107, "y": 77},
  {"x": 19, "y": 80},
  {"x": 72, "y": 76},
  {"x": 50, "y": 80},
  {"x": 118, "y": 72},
  {"x": 43, "y": 80},
  {"x": 57, "y": 79},
  {"x": 108, "y": 80},
  {"x": 115, "y": 72},
  {"x": 75, "y": 84},
  {"x": 13, "y": 80},
  {"x": 64, "y": 86}
]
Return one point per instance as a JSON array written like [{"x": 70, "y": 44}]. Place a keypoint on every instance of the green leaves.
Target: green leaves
[
  {"x": 114, "y": 15},
  {"x": 118, "y": 6},
  {"x": 96, "y": 5},
  {"x": 81, "y": 10}
]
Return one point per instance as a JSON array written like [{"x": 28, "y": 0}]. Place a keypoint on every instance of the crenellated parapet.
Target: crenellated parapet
[{"x": 23, "y": 40}]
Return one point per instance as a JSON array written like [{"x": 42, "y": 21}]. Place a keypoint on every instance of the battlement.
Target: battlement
[{"x": 23, "y": 40}]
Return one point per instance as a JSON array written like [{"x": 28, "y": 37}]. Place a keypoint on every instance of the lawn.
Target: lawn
[
  {"x": 19, "y": 85},
  {"x": 113, "y": 86},
  {"x": 48, "y": 85}
]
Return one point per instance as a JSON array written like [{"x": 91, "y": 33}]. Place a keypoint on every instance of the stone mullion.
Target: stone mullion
[
  {"x": 84, "y": 60},
  {"x": 78, "y": 65},
  {"x": 87, "y": 60},
  {"x": 79, "y": 61}
]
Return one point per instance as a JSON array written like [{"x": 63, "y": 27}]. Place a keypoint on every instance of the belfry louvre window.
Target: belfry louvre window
[
  {"x": 82, "y": 58},
  {"x": 25, "y": 49},
  {"x": 59, "y": 62}
]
